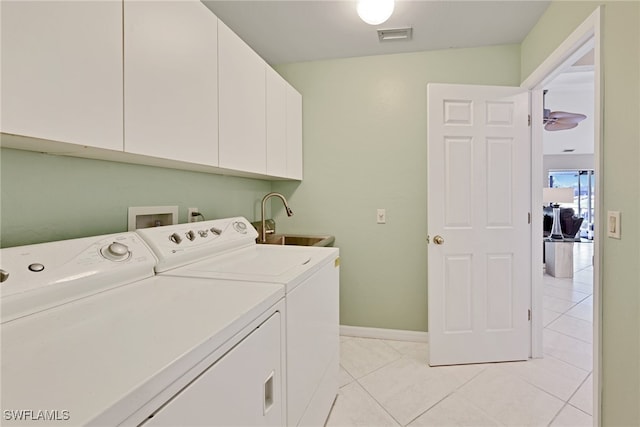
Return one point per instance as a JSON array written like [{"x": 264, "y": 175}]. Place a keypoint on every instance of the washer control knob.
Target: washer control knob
[
  {"x": 191, "y": 235},
  {"x": 4, "y": 275},
  {"x": 240, "y": 227},
  {"x": 216, "y": 231},
  {"x": 203, "y": 233},
  {"x": 116, "y": 252},
  {"x": 175, "y": 238},
  {"x": 36, "y": 267}
]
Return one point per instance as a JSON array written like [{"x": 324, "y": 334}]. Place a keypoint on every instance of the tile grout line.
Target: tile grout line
[{"x": 451, "y": 394}]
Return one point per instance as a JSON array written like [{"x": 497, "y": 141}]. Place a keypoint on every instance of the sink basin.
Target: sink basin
[{"x": 299, "y": 240}]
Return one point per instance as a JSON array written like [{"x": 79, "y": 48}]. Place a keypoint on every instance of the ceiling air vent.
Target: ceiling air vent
[{"x": 392, "y": 34}]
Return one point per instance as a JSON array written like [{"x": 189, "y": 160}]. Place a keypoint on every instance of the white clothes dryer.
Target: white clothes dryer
[{"x": 309, "y": 276}]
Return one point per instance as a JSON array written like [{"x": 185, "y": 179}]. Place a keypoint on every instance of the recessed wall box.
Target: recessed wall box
[{"x": 152, "y": 216}]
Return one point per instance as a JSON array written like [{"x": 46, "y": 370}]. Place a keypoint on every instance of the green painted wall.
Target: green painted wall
[
  {"x": 365, "y": 148},
  {"x": 620, "y": 189},
  {"x": 45, "y": 197}
]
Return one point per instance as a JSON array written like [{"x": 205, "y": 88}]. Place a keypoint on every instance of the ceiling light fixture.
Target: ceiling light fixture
[{"x": 375, "y": 12}]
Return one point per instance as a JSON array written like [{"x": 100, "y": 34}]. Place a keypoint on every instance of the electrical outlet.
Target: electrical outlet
[
  {"x": 191, "y": 218},
  {"x": 381, "y": 216}
]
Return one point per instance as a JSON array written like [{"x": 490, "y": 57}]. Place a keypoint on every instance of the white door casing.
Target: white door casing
[{"x": 479, "y": 278}]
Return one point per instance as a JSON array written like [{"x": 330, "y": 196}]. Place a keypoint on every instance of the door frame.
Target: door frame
[{"x": 584, "y": 38}]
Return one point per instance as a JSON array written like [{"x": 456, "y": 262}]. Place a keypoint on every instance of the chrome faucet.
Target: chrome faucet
[{"x": 263, "y": 230}]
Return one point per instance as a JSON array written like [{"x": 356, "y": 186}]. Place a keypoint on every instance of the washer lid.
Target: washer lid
[
  {"x": 286, "y": 265},
  {"x": 46, "y": 275},
  {"x": 258, "y": 262}
]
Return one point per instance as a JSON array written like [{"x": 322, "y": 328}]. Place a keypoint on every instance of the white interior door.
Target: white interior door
[{"x": 479, "y": 265}]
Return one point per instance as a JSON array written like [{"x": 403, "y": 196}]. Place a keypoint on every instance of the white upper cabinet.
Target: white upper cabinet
[
  {"x": 170, "y": 80},
  {"x": 294, "y": 133},
  {"x": 284, "y": 128},
  {"x": 242, "y": 113},
  {"x": 62, "y": 71},
  {"x": 276, "y": 124}
]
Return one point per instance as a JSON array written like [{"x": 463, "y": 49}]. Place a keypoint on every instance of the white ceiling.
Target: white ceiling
[{"x": 294, "y": 31}]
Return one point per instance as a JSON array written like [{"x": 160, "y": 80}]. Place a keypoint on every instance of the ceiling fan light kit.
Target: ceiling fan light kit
[{"x": 375, "y": 12}]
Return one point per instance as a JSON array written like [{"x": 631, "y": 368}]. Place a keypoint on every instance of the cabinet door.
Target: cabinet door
[
  {"x": 171, "y": 88},
  {"x": 294, "y": 133},
  {"x": 62, "y": 71},
  {"x": 242, "y": 104},
  {"x": 243, "y": 388},
  {"x": 276, "y": 124}
]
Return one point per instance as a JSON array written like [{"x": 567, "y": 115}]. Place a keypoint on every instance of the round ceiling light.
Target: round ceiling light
[{"x": 375, "y": 12}]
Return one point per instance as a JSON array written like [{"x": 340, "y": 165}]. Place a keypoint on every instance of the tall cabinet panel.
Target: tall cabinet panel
[
  {"x": 276, "y": 124},
  {"x": 241, "y": 78},
  {"x": 62, "y": 71},
  {"x": 294, "y": 134},
  {"x": 170, "y": 80}
]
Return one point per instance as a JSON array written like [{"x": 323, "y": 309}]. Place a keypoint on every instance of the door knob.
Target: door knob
[{"x": 438, "y": 240}]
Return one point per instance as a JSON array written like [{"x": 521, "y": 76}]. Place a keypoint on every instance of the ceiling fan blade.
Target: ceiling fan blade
[
  {"x": 560, "y": 125},
  {"x": 563, "y": 115}
]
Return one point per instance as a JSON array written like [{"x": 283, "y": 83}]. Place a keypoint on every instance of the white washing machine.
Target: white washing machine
[
  {"x": 91, "y": 337},
  {"x": 310, "y": 279}
]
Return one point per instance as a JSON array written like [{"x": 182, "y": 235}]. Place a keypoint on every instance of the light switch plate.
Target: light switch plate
[
  {"x": 381, "y": 216},
  {"x": 613, "y": 224}
]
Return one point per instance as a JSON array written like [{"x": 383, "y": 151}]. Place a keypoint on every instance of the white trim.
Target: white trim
[
  {"x": 384, "y": 334},
  {"x": 537, "y": 321},
  {"x": 587, "y": 36},
  {"x": 573, "y": 48}
]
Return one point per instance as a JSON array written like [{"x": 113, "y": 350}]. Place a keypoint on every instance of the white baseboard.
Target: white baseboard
[{"x": 385, "y": 334}]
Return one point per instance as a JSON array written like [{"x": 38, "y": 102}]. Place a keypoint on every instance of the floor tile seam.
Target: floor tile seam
[
  {"x": 560, "y": 398},
  {"x": 575, "y": 392},
  {"x": 526, "y": 380},
  {"x": 568, "y": 362},
  {"x": 579, "y": 409},
  {"x": 583, "y": 281},
  {"x": 457, "y": 388},
  {"x": 573, "y": 366},
  {"x": 569, "y": 300},
  {"x": 400, "y": 355},
  {"x": 558, "y": 413},
  {"x": 460, "y": 396},
  {"x": 552, "y": 328},
  {"x": 573, "y": 304},
  {"x": 570, "y": 336},
  {"x": 378, "y": 403},
  {"x": 577, "y": 318},
  {"x": 569, "y": 286},
  {"x": 375, "y": 369},
  {"x": 586, "y": 376},
  {"x": 431, "y": 407},
  {"x": 553, "y": 320},
  {"x": 350, "y": 376}
]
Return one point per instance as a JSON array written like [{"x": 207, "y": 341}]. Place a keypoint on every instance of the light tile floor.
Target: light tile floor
[{"x": 388, "y": 383}]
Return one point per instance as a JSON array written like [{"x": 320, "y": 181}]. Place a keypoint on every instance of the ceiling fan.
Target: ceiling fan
[{"x": 559, "y": 120}]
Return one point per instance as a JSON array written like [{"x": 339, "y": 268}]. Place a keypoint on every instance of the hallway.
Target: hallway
[{"x": 388, "y": 383}]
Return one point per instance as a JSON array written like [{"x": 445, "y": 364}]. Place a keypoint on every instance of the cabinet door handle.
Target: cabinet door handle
[{"x": 268, "y": 393}]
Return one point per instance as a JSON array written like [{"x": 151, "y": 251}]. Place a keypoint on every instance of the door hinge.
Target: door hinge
[
  {"x": 529, "y": 120},
  {"x": 529, "y": 315},
  {"x": 529, "y": 218}
]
